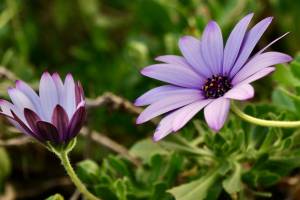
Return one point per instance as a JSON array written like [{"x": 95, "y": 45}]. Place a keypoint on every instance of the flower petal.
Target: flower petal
[
  {"x": 234, "y": 42},
  {"x": 48, "y": 95},
  {"x": 6, "y": 107},
  {"x": 79, "y": 96},
  {"x": 31, "y": 94},
  {"x": 32, "y": 118},
  {"x": 48, "y": 132},
  {"x": 59, "y": 87},
  {"x": 168, "y": 104},
  {"x": 258, "y": 75},
  {"x": 190, "y": 48},
  {"x": 69, "y": 103},
  {"x": 259, "y": 62},
  {"x": 240, "y": 92},
  {"x": 250, "y": 41},
  {"x": 216, "y": 113},
  {"x": 176, "y": 60},
  {"x": 212, "y": 47},
  {"x": 164, "y": 127},
  {"x": 185, "y": 114},
  {"x": 26, "y": 129},
  {"x": 173, "y": 74},
  {"x": 159, "y": 93},
  {"x": 271, "y": 43},
  {"x": 20, "y": 100},
  {"x": 61, "y": 121},
  {"x": 76, "y": 123}
]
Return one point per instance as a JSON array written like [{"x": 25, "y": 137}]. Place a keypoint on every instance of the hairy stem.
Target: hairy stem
[
  {"x": 63, "y": 156},
  {"x": 263, "y": 122}
]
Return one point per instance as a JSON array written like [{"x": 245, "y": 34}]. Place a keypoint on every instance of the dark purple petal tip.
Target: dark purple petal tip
[
  {"x": 48, "y": 132},
  {"x": 76, "y": 123},
  {"x": 61, "y": 121}
]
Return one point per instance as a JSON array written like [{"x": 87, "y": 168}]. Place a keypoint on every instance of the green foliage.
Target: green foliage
[{"x": 117, "y": 179}]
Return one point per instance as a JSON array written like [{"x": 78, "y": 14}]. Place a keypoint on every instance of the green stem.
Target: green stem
[
  {"x": 263, "y": 122},
  {"x": 63, "y": 156}
]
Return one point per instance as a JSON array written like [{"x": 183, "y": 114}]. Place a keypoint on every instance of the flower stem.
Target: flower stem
[
  {"x": 263, "y": 122},
  {"x": 63, "y": 156}
]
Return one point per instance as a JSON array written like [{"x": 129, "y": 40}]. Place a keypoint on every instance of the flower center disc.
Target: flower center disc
[{"x": 216, "y": 86}]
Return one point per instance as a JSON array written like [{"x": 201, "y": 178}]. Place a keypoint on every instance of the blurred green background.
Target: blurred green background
[{"x": 104, "y": 44}]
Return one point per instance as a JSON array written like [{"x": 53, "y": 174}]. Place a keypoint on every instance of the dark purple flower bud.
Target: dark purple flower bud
[{"x": 56, "y": 115}]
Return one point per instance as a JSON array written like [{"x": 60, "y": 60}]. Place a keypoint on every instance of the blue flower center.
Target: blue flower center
[{"x": 216, "y": 86}]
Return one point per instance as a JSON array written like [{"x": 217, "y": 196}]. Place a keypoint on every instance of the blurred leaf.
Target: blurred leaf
[
  {"x": 55, "y": 197},
  {"x": 233, "y": 182},
  {"x": 288, "y": 79},
  {"x": 197, "y": 188},
  {"x": 88, "y": 171},
  {"x": 145, "y": 149}
]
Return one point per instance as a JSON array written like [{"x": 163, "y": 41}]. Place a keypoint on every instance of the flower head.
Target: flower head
[
  {"x": 207, "y": 76},
  {"x": 56, "y": 115}
]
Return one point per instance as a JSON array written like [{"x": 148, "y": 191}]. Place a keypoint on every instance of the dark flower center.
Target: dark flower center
[{"x": 216, "y": 86}]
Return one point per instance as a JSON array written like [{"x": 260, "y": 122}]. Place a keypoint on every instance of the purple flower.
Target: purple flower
[
  {"x": 56, "y": 115},
  {"x": 207, "y": 76}
]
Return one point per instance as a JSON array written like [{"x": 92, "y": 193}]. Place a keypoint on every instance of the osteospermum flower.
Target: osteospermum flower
[
  {"x": 56, "y": 115},
  {"x": 207, "y": 76}
]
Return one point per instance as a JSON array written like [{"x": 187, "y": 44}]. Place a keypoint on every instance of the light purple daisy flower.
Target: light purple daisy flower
[
  {"x": 56, "y": 115},
  {"x": 207, "y": 76}
]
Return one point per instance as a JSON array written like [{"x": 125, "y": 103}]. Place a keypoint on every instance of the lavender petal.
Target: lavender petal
[
  {"x": 69, "y": 96},
  {"x": 164, "y": 127},
  {"x": 258, "y": 75},
  {"x": 251, "y": 39},
  {"x": 185, "y": 114},
  {"x": 240, "y": 92},
  {"x": 234, "y": 42},
  {"x": 159, "y": 93},
  {"x": 212, "y": 47},
  {"x": 173, "y": 74},
  {"x": 31, "y": 94},
  {"x": 259, "y": 62},
  {"x": 48, "y": 95},
  {"x": 216, "y": 113},
  {"x": 168, "y": 104},
  {"x": 59, "y": 87},
  {"x": 190, "y": 48}
]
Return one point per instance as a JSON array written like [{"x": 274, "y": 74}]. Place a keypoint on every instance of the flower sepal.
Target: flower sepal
[{"x": 59, "y": 148}]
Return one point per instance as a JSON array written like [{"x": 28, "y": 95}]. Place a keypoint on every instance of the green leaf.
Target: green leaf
[
  {"x": 280, "y": 100},
  {"x": 121, "y": 189},
  {"x": 55, "y": 197},
  {"x": 105, "y": 192},
  {"x": 159, "y": 192},
  {"x": 88, "y": 171},
  {"x": 145, "y": 149},
  {"x": 196, "y": 189},
  {"x": 179, "y": 144},
  {"x": 117, "y": 164},
  {"x": 288, "y": 79},
  {"x": 233, "y": 182}
]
